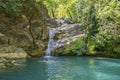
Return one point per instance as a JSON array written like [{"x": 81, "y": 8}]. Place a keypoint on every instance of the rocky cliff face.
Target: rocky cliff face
[
  {"x": 20, "y": 30},
  {"x": 65, "y": 32}
]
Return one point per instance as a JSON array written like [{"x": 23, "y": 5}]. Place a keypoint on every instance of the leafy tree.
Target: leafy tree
[
  {"x": 61, "y": 8},
  {"x": 86, "y": 14},
  {"x": 108, "y": 36}
]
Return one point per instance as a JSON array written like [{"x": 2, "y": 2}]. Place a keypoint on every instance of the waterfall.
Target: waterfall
[
  {"x": 65, "y": 34},
  {"x": 51, "y": 42}
]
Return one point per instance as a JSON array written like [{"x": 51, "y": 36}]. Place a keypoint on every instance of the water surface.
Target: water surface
[{"x": 65, "y": 68}]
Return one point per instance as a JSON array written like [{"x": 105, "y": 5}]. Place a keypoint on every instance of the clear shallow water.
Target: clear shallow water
[{"x": 65, "y": 68}]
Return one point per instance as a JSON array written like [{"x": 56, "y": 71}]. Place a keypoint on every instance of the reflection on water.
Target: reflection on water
[{"x": 65, "y": 68}]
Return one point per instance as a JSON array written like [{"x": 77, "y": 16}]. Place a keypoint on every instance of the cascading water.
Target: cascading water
[
  {"x": 51, "y": 42},
  {"x": 66, "y": 33}
]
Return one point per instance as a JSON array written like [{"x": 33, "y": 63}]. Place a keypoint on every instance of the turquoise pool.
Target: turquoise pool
[{"x": 65, "y": 68}]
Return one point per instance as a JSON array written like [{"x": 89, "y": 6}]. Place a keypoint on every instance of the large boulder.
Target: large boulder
[{"x": 12, "y": 52}]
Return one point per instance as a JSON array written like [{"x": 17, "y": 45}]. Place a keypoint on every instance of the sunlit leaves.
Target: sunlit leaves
[
  {"x": 109, "y": 31},
  {"x": 110, "y": 10},
  {"x": 108, "y": 34},
  {"x": 61, "y": 7}
]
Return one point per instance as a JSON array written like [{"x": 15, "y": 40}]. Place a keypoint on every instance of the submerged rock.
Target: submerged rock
[{"x": 4, "y": 63}]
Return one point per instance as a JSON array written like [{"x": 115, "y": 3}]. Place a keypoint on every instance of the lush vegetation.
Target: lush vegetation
[
  {"x": 100, "y": 18},
  {"x": 75, "y": 29}
]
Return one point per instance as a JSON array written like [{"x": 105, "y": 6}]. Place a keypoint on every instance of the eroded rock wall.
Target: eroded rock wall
[{"x": 14, "y": 29}]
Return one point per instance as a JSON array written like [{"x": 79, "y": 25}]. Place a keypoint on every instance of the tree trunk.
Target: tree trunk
[
  {"x": 33, "y": 38},
  {"x": 86, "y": 44},
  {"x": 69, "y": 13},
  {"x": 86, "y": 40},
  {"x": 53, "y": 13}
]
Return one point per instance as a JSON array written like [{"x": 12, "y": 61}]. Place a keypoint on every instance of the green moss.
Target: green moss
[{"x": 37, "y": 53}]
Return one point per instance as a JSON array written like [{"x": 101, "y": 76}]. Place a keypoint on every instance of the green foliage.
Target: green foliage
[
  {"x": 61, "y": 8},
  {"x": 100, "y": 19},
  {"x": 11, "y": 7},
  {"x": 86, "y": 14},
  {"x": 92, "y": 46},
  {"x": 107, "y": 37},
  {"x": 109, "y": 32},
  {"x": 77, "y": 48}
]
